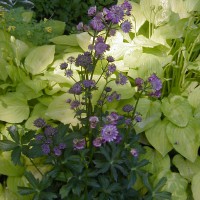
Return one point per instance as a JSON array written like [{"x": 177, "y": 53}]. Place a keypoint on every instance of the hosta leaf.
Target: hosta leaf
[
  {"x": 69, "y": 40},
  {"x": 194, "y": 97},
  {"x": 59, "y": 110},
  {"x": 196, "y": 186},
  {"x": 3, "y": 74},
  {"x": 151, "y": 113},
  {"x": 158, "y": 138},
  {"x": 187, "y": 169},
  {"x": 39, "y": 58},
  {"x": 8, "y": 168},
  {"x": 177, "y": 110},
  {"x": 175, "y": 184},
  {"x": 156, "y": 161},
  {"x": 156, "y": 16},
  {"x": 13, "y": 108},
  {"x": 83, "y": 40},
  {"x": 185, "y": 140}
]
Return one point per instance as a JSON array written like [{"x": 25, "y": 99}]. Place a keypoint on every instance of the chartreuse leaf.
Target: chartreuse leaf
[
  {"x": 152, "y": 12},
  {"x": 39, "y": 58},
  {"x": 158, "y": 138},
  {"x": 59, "y": 110},
  {"x": 175, "y": 184},
  {"x": 177, "y": 110},
  {"x": 194, "y": 97},
  {"x": 83, "y": 40},
  {"x": 8, "y": 168},
  {"x": 150, "y": 111},
  {"x": 13, "y": 108},
  {"x": 187, "y": 169},
  {"x": 157, "y": 163},
  {"x": 196, "y": 186},
  {"x": 185, "y": 140},
  {"x": 13, "y": 182},
  {"x": 4, "y": 73},
  {"x": 69, "y": 40}
]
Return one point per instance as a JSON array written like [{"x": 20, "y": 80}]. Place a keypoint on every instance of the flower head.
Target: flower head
[
  {"x": 100, "y": 48},
  {"x": 93, "y": 121},
  {"x": 74, "y": 104},
  {"x": 69, "y": 73},
  {"x": 110, "y": 59},
  {"x": 109, "y": 133},
  {"x": 126, "y": 26},
  {"x": 92, "y": 11},
  {"x": 63, "y": 65},
  {"x": 84, "y": 60},
  {"x": 115, "y": 14},
  {"x": 76, "y": 89},
  {"x": 127, "y": 7},
  {"x": 134, "y": 152},
  {"x": 127, "y": 108},
  {"x": 97, "y": 142},
  {"x": 97, "y": 24},
  {"x": 113, "y": 118},
  {"x": 57, "y": 151},
  {"x": 39, "y": 123},
  {"x": 79, "y": 143},
  {"x": 50, "y": 131},
  {"x": 121, "y": 79},
  {"x": 155, "y": 82},
  {"x": 139, "y": 83},
  {"x": 46, "y": 149},
  {"x": 88, "y": 83}
]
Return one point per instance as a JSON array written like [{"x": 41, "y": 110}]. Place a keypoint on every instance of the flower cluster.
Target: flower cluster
[{"x": 46, "y": 139}]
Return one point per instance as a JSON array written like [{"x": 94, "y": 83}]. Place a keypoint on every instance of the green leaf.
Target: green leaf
[
  {"x": 69, "y": 40},
  {"x": 185, "y": 140},
  {"x": 65, "y": 190},
  {"x": 177, "y": 110},
  {"x": 8, "y": 168},
  {"x": 151, "y": 113},
  {"x": 158, "y": 17},
  {"x": 194, "y": 97},
  {"x": 156, "y": 161},
  {"x": 13, "y": 108},
  {"x": 196, "y": 186},
  {"x": 175, "y": 184},
  {"x": 83, "y": 40},
  {"x": 187, "y": 169},
  {"x": 7, "y": 145},
  {"x": 16, "y": 155},
  {"x": 39, "y": 58},
  {"x": 158, "y": 139}
]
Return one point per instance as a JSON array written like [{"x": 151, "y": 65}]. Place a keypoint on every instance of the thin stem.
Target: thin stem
[{"x": 36, "y": 167}]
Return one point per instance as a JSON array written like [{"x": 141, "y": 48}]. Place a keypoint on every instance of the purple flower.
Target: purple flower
[
  {"x": 112, "y": 68},
  {"x": 46, "y": 149},
  {"x": 100, "y": 48},
  {"x": 69, "y": 73},
  {"x": 109, "y": 133},
  {"x": 79, "y": 27},
  {"x": 112, "y": 32},
  {"x": 113, "y": 118},
  {"x": 79, "y": 144},
  {"x": 127, "y": 7},
  {"x": 127, "y": 108},
  {"x": 68, "y": 101},
  {"x": 97, "y": 142},
  {"x": 126, "y": 26},
  {"x": 97, "y": 24},
  {"x": 108, "y": 89},
  {"x": 39, "y": 137},
  {"x": 88, "y": 83},
  {"x": 62, "y": 146},
  {"x": 93, "y": 121},
  {"x": 128, "y": 121},
  {"x": 138, "y": 118},
  {"x": 110, "y": 98},
  {"x": 115, "y": 14},
  {"x": 63, "y": 65},
  {"x": 84, "y": 60},
  {"x": 155, "y": 82},
  {"x": 139, "y": 82},
  {"x": 155, "y": 94},
  {"x": 57, "y": 151},
  {"x": 71, "y": 59},
  {"x": 134, "y": 152},
  {"x": 110, "y": 59},
  {"x": 39, "y": 123},
  {"x": 121, "y": 79},
  {"x": 76, "y": 89},
  {"x": 118, "y": 139},
  {"x": 92, "y": 11},
  {"x": 50, "y": 131},
  {"x": 74, "y": 104}
]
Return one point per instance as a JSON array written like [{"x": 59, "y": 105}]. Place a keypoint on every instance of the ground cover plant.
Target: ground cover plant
[{"x": 163, "y": 40}]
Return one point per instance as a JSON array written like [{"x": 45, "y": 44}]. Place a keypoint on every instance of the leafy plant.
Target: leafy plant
[{"x": 98, "y": 157}]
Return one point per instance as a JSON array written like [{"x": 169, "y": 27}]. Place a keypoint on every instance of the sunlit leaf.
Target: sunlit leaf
[
  {"x": 39, "y": 58},
  {"x": 187, "y": 169},
  {"x": 185, "y": 140},
  {"x": 158, "y": 138},
  {"x": 196, "y": 186},
  {"x": 13, "y": 108},
  {"x": 65, "y": 40},
  {"x": 83, "y": 40}
]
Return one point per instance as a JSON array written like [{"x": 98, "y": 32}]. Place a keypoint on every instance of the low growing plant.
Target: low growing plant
[{"x": 100, "y": 156}]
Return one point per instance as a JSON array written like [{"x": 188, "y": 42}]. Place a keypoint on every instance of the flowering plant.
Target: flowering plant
[{"x": 99, "y": 158}]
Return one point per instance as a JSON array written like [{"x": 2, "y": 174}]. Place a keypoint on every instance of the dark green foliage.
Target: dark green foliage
[
  {"x": 69, "y": 11},
  {"x": 21, "y": 24},
  {"x": 10, "y": 4}
]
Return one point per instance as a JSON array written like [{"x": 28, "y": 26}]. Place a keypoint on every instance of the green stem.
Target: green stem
[{"x": 36, "y": 167}]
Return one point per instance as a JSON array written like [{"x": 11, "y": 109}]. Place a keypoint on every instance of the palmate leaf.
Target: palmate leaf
[
  {"x": 7, "y": 145},
  {"x": 16, "y": 155}
]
